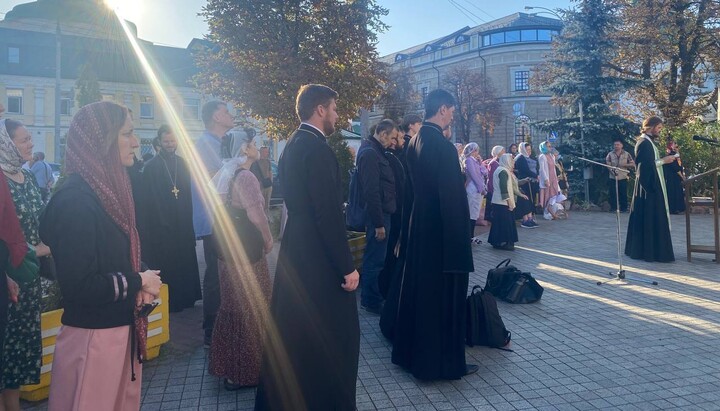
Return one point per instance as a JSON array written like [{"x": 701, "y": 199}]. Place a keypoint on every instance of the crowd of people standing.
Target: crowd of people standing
[{"x": 118, "y": 230}]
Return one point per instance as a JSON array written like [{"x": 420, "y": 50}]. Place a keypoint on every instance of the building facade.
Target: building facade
[
  {"x": 507, "y": 51},
  {"x": 89, "y": 35}
]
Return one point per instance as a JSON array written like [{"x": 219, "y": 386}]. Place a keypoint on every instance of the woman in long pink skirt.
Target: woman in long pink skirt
[{"x": 90, "y": 226}]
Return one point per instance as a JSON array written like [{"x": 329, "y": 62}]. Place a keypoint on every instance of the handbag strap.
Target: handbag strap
[{"x": 506, "y": 261}]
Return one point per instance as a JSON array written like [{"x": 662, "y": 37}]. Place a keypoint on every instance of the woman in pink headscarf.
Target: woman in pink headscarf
[{"x": 90, "y": 226}]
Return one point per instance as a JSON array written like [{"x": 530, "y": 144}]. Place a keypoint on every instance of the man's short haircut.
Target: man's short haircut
[
  {"x": 409, "y": 120},
  {"x": 385, "y": 126},
  {"x": 310, "y": 96},
  {"x": 436, "y": 99},
  {"x": 372, "y": 129},
  {"x": 209, "y": 109},
  {"x": 39, "y": 156},
  {"x": 162, "y": 130}
]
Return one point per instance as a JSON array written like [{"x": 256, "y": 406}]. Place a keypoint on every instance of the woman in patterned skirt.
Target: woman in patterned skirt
[
  {"x": 22, "y": 351},
  {"x": 245, "y": 287}
]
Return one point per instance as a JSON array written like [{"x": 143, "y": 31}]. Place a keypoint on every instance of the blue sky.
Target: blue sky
[{"x": 412, "y": 22}]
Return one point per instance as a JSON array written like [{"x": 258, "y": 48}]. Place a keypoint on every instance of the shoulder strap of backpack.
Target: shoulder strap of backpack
[{"x": 505, "y": 261}]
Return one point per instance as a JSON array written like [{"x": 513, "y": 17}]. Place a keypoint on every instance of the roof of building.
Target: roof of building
[
  {"x": 516, "y": 20},
  {"x": 91, "y": 34}
]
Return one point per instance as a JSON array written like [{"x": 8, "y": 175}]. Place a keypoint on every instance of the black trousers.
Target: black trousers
[
  {"x": 211, "y": 284},
  {"x": 622, "y": 190}
]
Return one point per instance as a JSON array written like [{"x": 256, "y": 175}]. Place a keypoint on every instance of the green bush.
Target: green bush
[{"x": 697, "y": 156}]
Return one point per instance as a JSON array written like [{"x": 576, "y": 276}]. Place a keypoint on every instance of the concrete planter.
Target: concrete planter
[{"x": 158, "y": 334}]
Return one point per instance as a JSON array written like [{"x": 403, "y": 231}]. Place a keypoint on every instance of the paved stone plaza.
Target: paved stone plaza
[{"x": 583, "y": 346}]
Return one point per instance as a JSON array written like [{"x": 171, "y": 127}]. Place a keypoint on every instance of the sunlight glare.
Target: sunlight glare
[{"x": 127, "y": 9}]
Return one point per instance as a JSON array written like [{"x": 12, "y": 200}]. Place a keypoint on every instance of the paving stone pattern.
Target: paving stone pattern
[{"x": 624, "y": 345}]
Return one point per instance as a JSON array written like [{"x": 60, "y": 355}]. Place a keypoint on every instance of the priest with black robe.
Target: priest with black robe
[
  {"x": 166, "y": 224},
  {"x": 310, "y": 359},
  {"x": 429, "y": 334},
  {"x": 648, "y": 234}
]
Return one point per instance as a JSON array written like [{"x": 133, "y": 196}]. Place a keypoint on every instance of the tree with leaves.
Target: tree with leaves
[
  {"x": 477, "y": 102},
  {"x": 88, "y": 86},
  {"x": 578, "y": 73},
  {"x": 264, "y": 50},
  {"x": 399, "y": 97},
  {"x": 672, "y": 46}
]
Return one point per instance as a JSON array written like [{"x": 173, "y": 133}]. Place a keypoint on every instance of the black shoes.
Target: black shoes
[
  {"x": 505, "y": 246},
  {"x": 471, "y": 369}
]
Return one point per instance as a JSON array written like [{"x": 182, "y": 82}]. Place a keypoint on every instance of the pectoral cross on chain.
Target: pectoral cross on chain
[{"x": 175, "y": 191}]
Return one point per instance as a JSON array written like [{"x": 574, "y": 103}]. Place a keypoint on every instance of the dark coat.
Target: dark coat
[
  {"x": 89, "y": 250},
  {"x": 166, "y": 228},
  {"x": 311, "y": 360},
  {"x": 648, "y": 234},
  {"x": 389, "y": 269},
  {"x": 429, "y": 335},
  {"x": 377, "y": 182},
  {"x": 674, "y": 185}
]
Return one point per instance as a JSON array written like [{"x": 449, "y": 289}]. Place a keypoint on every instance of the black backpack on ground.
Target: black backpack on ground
[
  {"x": 484, "y": 324},
  {"x": 512, "y": 285}
]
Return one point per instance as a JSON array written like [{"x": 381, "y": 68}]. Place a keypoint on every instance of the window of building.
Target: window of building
[
  {"x": 544, "y": 35},
  {"x": 147, "y": 109},
  {"x": 14, "y": 55},
  {"x": 522, "y": 80},
  {"x": 423, "y": 93},
  {"x": 512, "y": 36},
  {"x": 66, "y": 103},
  {"x": 191, "y": 107},
  {"x": 15, "y": 101},
  {"x": 497, "y": 38},
  {"x": 529, "y": 35},
  {"x": 486, "y": 40}
]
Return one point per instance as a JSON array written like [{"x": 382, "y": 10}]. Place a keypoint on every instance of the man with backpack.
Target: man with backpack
[{"x": 377, "y": 191}]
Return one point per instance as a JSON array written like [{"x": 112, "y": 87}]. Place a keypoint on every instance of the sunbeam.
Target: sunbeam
[{"x": 223, "y": 227}]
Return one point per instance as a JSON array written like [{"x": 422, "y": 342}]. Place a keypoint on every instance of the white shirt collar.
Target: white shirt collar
[{"x": 308, "y": 124}]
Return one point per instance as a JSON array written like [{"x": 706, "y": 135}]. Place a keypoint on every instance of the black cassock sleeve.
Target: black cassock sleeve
[
  {"x": 323, "y": 185},
  {"x": 454, "y": 213},
  {"x": 648, "y": 170}
]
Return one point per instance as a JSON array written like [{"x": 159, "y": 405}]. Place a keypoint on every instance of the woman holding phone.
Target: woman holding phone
[{"x": 90, "y": 226}]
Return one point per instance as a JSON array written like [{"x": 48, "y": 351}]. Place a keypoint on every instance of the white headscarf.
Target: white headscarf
[
  {"x": 469, "y": 149},
  {"x": 496, "y": 151},
  {"x": 221, "y": 181},
  {"x": 522, "y": 151}
]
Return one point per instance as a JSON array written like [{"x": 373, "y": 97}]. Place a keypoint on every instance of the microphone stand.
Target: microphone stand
[{"x": 620, "y": 273}]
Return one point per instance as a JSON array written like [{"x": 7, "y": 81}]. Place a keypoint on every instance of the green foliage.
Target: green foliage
[
  {"x": 697, "y": 156},
  {"x": 345, "y": 160},
  {"x": 576, "y": 73},
  {"x": 88, "y": 86},
  {"x": 264, "y": 50},
  {"x": 399, "y": 97}
]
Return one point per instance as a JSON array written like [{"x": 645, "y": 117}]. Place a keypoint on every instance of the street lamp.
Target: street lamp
[{"x": 557, "y": 12}]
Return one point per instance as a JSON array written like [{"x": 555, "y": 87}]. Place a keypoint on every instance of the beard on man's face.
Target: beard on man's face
[{"x": 328, "y": 127}]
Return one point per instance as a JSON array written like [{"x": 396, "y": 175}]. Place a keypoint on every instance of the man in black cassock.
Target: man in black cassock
[
  {"x": 429, "y": 334},
  {"x": 648, "y": 234},
  {"x": 166, "y": 224},
  {"x": 310, "y": 359}
]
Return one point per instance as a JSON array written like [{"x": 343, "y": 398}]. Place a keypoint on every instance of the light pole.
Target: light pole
[{"x": 557, "y": 12}]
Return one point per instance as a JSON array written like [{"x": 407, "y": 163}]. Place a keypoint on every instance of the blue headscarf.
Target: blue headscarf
[{"x": 543, "y": 147}]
